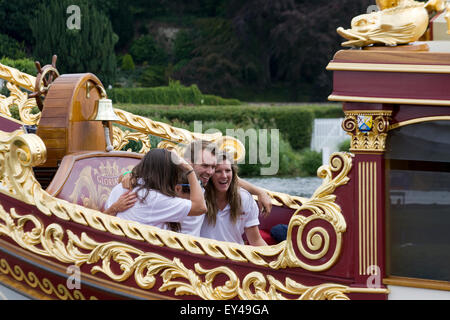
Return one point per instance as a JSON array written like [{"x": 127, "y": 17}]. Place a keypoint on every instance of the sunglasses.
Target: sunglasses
[{"x": 185, "y": 187}]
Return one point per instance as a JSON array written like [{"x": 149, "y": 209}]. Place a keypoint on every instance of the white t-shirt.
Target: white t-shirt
[
  {"x": 225, "y": 229},
  {"x": 156, "y": 210},
  {"x": 192, "y": 225}
]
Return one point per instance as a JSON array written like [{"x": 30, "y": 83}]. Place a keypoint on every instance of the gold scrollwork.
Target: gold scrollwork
[
  {"x": 54, "y": 241},
  {"x": 121, "y": 139},
  {"x": 324, "y": 210},
  {"x": 45, "y": 285},
  {"x": 17, "y": 77},
  {"x": 28, "y": 150},
  {"x": 24, "y": 104},
  {"x": 14, "y": 81},
  {"x": 145, "y": 267},
  {"x": 373, "y": 137},
  {"x": 178, "y": 135}
]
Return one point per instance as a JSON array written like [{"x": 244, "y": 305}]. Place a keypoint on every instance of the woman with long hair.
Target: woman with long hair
[
  {"x": 232, "y": 211},
  {"x": 154, "y": 181}
]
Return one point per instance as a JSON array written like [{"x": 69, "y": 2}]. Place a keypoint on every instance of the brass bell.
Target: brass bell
[{"x": 103, "y": 111}]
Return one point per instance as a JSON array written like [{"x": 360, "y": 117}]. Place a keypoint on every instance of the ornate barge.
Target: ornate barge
[{"x": 343, "y": 242}]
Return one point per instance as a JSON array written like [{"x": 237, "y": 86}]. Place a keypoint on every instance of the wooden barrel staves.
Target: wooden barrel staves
[{"x": 64, "y": 126}]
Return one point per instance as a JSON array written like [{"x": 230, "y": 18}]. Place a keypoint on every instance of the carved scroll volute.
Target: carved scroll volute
[{"x": 367, "y": 129}]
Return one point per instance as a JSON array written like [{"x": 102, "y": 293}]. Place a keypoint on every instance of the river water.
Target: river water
[{"x": 296, "y": 186}]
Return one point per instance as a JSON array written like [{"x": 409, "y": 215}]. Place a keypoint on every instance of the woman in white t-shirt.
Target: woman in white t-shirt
[
  {"x": 232, "y": 211},
  {"x": 154, "y": 180}
]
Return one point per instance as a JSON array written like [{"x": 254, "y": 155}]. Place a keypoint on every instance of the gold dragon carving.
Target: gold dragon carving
[
  {"x": 27, "y": 150},
  {"x": 397, "y": 22}
]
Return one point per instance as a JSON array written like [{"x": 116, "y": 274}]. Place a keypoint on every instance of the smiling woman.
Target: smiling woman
[{"x": 232, "y": 211}]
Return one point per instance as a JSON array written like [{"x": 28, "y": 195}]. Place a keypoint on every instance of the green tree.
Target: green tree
[
  {"x": 145, "y": 49},
  {"x": 11, "y": 48},
  {"x": 127, "y": 63},
  {"x": 14, "y": 16},
  {"x": 87, "y": 49}
]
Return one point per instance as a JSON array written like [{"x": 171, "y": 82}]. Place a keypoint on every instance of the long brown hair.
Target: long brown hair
[
  {"x": 157, "y": 171},
  {"x": 233, "y": 194}
]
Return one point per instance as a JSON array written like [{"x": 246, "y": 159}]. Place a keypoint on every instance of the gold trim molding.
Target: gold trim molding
[
  {"x": 46, "y": 286},
  {"x": 423, "y": 102},
  {"x": 385, "y": 67},
  {"x": 367, "y": 129},
  {"x": 417, "y": 120},
  {"x": 20, "y": 152},
  {"x": 367, "y": 216},
  {"x": 146, "y": 266}
]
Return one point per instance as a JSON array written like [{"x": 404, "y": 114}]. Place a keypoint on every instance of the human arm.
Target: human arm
[
  {"x": 264, "y": 200},
  {"x": 125, "y": 201},
  {"x": 254, "y": 237},
  {"x": 196, "y": 197},
  {"x": 125, "y": 180}
]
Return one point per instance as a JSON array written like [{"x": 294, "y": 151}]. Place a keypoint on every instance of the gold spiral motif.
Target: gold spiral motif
[
  {"x": 382, "y": 124},
  {"x": 349, "y": 124},
  {"x": 146, "y": 267},
  {"x": 321, "y": 205},
  {"x": 316, "y": 238}
]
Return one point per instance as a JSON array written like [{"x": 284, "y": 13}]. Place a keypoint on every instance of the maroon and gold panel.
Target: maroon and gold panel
[
  {"x": 391, "y": 77},
  {"x": 114, "y": 258},
  {"x": 87, "y": 178}
]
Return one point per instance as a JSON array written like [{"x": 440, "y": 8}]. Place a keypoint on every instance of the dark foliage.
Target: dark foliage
[
  {"x": 231, "y": 48},
  {"x": 90, "y": 48}
]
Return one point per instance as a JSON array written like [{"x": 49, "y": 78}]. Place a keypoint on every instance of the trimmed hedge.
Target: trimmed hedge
[
  {"x": 294, "y": 122},
  {"x": 174, "y": 94}
]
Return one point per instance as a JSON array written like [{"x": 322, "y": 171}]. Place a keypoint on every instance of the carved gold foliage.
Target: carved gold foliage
[
  {"x": 161, "y": 129},
  {"x": 24, "y": 104},
  {"x": 122, "y": 138},
  {"x": 175, "y": 135},
  {"x": 17, "y": 77},
  {"x": 5, "y": 143},
  {"x": 373, "y": 140},
  {"x": 146, "y": 267},
  {"x": 16, "y": 80},
  {"x": 27, "y": 150}
]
